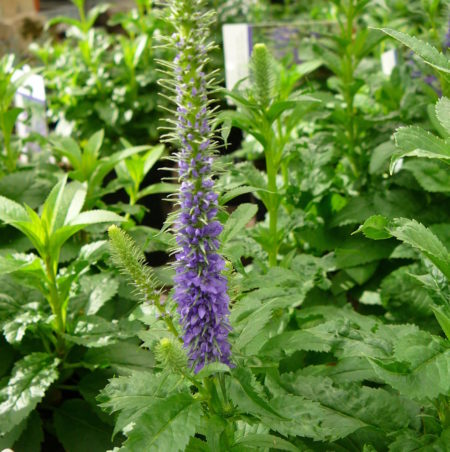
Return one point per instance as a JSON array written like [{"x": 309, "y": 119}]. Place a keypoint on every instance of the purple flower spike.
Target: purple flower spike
[{"x": 200, "y": 287}]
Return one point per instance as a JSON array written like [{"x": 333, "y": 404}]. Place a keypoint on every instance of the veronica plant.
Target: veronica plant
[
  {"x": 343, "y": 53},
  {"x": 88, "y": 165},
  {"x": 270, "y": 109},
  {"x": 131, "y": 173},
  {"x": 60, "y": 219}
]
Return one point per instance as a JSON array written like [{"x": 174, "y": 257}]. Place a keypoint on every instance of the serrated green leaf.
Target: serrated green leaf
[
  {"x": 432, "y": 175},
  {"x": 245, "y": 394},
  {"x": 167, "y": 425},
  {"x": 428, "y": 53},
  {"x": 263, "y": 440},
  {"x": 237, "y": 221},
  {"x": 413, "y": 141},
  {"x": 30, "y": 378},
  {"x": 419, "y": 367},
  {"x": 421, "y": 238},
  {"x": 132, "y": 395},
  {"x": 375, "y": 228}
]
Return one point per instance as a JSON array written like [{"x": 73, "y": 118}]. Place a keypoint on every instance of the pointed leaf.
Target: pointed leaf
[{"x": 94, "y": 217}]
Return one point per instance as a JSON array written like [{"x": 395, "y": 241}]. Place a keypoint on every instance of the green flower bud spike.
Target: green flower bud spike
[
  {"x": 130, "y": 260},
  {"x": 262, "y": 74},
  {"x": 171, "y": 356}
]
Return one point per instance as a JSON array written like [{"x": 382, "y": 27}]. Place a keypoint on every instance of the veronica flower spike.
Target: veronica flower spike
[{"x": 200, "y": 287}]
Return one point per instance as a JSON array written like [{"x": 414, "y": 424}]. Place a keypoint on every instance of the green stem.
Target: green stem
[
  {"x": 167, "y": 318},
  {"x": 272, "y": 207},
  {"x": 56, "y": 304}
]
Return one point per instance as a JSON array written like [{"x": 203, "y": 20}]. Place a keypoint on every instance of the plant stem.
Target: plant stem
[
  {"x": 55, "y": 303},
  {"x": 272, "y": 206}
]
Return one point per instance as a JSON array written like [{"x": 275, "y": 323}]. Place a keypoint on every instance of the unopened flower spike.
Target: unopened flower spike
[{"x": 200, "y": 287}]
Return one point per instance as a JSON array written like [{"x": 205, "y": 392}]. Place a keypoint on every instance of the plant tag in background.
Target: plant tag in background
[
  {"x": 285, "y": 40},
  {"x": 31, "y": 97},
  {"x": 389, "y": 60},
  {"x": 237, "y": 45}
]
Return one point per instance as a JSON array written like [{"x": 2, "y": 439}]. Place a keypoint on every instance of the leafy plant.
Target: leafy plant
[
  {"x": 270, "y": 110},
  {"x": 88, "y": 164},
  {"x": 60, "y": 218},
  {"x": 104, "y": 80}
]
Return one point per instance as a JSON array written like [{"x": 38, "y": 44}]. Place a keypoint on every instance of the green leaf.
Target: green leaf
[
  {"x": 211, "y": 369},
  {"x": 30, "y": 378},
  {"x": 358, "y": 250},
  {"x": 100, "y": 288},
  {"x": 25, "y": 317},
  {"x": 375, "y": 228},
  {"x": 336, "y": 411},
  {"x": 428, "y": 53},
  {"x": 432, "y": 175},
  {"x": 421, "y": 238},
  {"x": 92, "y": 148},
  {"x": 291, "y": 341},
  {"x": 405, "y": 297},
  {"x": 416, "y": 142},
  {"x": 10, "y": 211},
  {"x": 52, "y": 206},
  {"x": 69, "y": 148},
  {"x": 79, "y": 429},
  {"x": 244, "y": 393},
  {"x": 261, "y": 441},
  {"x": 94, "y": 217},
  {"x": 419, "y": 367},
  {"x": 443, "y": 113},
  {"x": 234, "y": 192},
  {"x": 162, "y": 187},
  {"x": 94, "y": 331},
  {"x": 31, "y": 438},
  {"x": 134, "y": 394},
  {"x": 167, "y": 424},
  {"x": 237, "y": 221},
  {"x": 10, "y": 118},
  {"x": 442, "y": 314},
  {"x": 123, "y": 357}
]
